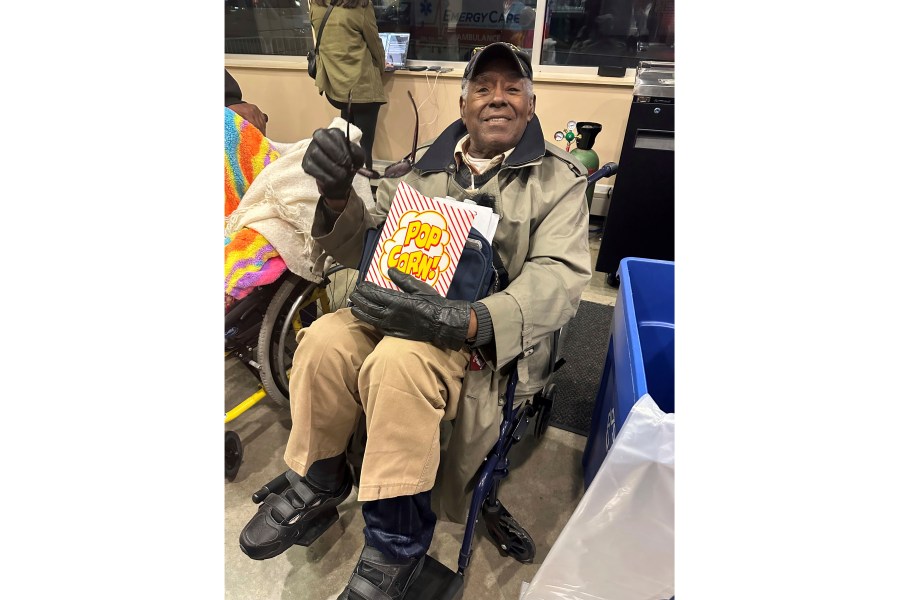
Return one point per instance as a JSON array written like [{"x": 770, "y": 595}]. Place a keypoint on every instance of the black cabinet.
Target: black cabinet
[{"x": 641, "y": 217}]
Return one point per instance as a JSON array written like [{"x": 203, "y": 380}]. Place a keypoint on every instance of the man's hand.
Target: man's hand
[
  {"x": 416, "y": 313},
  {"x": 333, "y": 161},
  {"x": 251, "y": 113}
]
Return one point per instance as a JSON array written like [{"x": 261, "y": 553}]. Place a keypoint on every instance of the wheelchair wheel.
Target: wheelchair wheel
[
  {"x": 234, "y": 454},
  {"x": 242, "y": 322},
  {"x": 510, "y": 538},
  {"x": 295, "y": 305}
]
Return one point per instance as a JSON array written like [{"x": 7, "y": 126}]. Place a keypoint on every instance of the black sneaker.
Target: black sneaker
[
  {"x": 283, "y": 519},
  {"x": 378, "y": 576}
]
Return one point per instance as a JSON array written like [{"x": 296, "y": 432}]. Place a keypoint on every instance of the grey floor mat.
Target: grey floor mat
[{"x": 584, "y": 349}]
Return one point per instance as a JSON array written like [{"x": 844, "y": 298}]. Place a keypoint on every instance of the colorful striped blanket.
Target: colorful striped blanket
[
  {"x": 281, "y": 205},
  {"x": 250, "y": 260}
]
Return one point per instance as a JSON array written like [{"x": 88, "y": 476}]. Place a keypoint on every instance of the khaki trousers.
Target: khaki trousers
[{"x": 343, "y": 365}]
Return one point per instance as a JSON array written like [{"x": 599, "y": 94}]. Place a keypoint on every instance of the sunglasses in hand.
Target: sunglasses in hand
[{"x": 399, "y": 168}]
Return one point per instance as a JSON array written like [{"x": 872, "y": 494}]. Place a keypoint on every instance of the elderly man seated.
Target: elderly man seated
[{"x": 408, "y": 360}]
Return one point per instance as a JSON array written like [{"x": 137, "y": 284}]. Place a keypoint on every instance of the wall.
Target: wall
[{"x": 295, "y": 108}]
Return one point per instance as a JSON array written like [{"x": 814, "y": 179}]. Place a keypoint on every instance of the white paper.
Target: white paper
[{"x": 485, "y": 219}]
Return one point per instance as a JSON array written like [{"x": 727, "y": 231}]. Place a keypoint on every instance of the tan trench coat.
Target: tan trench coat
[
  {"x": 543, "y": 241},
  {"x": 350, "y": 54}
]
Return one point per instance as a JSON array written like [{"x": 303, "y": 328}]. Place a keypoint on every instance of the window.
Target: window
[
  {"x": 270, "y": 27},
  {"x": 615, "y": 33},
  {"x": 448, "y": 30},
  {"x": 575, "y": 33}
]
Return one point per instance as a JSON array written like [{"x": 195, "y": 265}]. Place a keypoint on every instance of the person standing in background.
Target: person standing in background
[
  {"x": 513, "y": 29},
  {"x": 250, "y": 112},
  {"x": 351, "y": 59}
]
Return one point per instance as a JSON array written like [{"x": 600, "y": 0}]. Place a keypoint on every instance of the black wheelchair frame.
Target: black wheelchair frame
[{"x": 258, "y": 332}]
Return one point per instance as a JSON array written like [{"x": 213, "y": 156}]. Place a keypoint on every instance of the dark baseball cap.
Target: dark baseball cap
[{"x": 483, "y": 55}]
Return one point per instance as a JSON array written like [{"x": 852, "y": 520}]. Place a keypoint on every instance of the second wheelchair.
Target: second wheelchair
[{"x": 261, "y": 329}]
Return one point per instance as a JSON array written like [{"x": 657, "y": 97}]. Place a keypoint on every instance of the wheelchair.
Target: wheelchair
[
  {"x": 436, "y": 581},
  {"x": 261, "y": 330}
]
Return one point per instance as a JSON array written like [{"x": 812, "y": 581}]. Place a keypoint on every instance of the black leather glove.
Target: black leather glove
[
  {"x": 416, "y": 313},
  {"x": 333, "y": 161}
]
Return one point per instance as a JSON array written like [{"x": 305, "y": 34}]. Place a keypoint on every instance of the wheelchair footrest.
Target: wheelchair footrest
[
  {"x": 276, "y": 486},
  {"x": 317, "y": 527},
  {"x": 436, "y": 582}
]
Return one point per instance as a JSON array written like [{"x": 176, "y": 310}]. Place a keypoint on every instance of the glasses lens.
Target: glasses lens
[{"x": 398, "y": 169}]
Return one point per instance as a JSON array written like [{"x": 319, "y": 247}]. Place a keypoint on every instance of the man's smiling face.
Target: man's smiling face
[{"x": 496, "y": 109}]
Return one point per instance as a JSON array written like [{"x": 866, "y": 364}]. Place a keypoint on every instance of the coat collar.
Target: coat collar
[{"x": 439, "y": 156}]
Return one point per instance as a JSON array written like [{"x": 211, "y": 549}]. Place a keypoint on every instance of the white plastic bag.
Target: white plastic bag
[{"x": 619, "y": 544}]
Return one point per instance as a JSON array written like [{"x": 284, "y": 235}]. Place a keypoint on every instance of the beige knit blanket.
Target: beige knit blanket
[{"x": 281, "y": 202}]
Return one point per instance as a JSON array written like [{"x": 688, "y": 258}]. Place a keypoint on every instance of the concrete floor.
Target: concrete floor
[{"x": 543, "y": 489}]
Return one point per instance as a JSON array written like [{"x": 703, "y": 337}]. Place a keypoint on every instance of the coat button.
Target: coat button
[{"x": 451, "y": 167}]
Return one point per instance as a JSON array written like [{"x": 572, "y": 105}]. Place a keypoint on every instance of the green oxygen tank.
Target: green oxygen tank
[{"x": 587, "y": 135}]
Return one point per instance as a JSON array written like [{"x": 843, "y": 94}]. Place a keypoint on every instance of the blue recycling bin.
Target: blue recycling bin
[{"x": 641, "y": 354}]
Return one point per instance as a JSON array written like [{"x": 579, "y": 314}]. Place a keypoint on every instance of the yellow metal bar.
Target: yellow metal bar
[
  {"x": 317, "y": 294},
  {"x": 238, "y": 410},
  {"x": 324, "y": 303}
]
